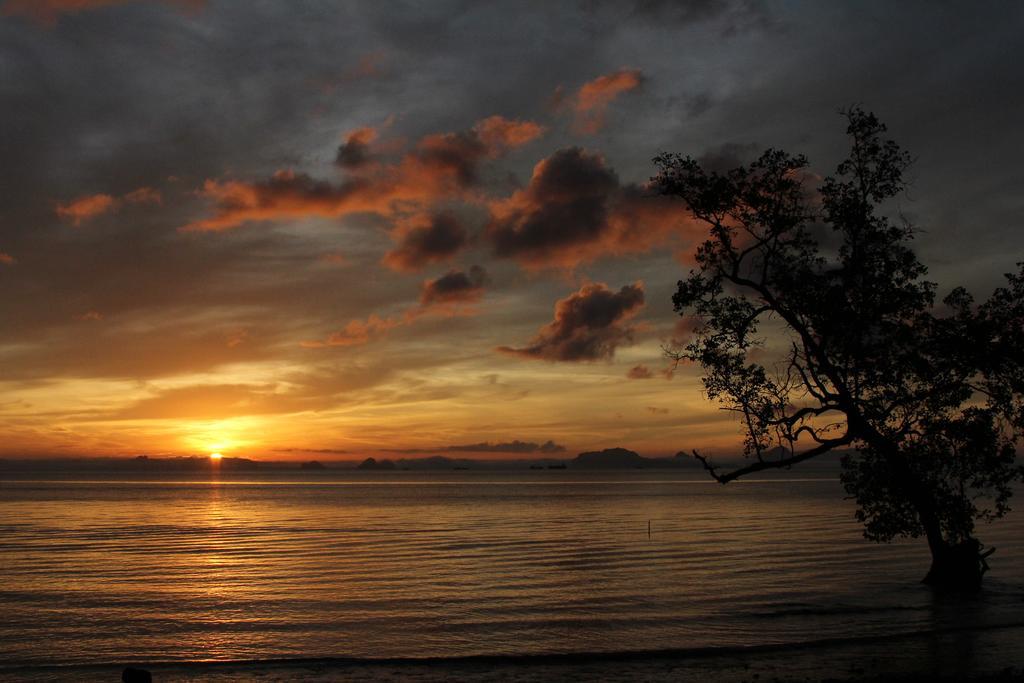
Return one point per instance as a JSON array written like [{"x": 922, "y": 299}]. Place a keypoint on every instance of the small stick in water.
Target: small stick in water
[{"x": 648, "y": 529}]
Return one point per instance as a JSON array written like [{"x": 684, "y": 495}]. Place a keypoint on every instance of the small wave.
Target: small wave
[
  {"x": 526, "y": 659},
  {"x": 834, "y": 610}
]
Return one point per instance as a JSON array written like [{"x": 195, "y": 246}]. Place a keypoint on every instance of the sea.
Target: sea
[{"x": 338, "y": 565}]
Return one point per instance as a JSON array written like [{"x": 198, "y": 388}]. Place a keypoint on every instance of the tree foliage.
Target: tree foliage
[{"x": 816, "y": 325}]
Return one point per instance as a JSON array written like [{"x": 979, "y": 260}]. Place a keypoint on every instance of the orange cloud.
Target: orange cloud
[
  {"x": 7, "y": 259},
  {"x": 47, "y": 12},
  {"x": 88, "y": 207},
  {"x": 442, "y": 166},
  {"x": 89, "y": 315},
  {"x": 591, "y": 101},
  {"x": 287, "y": 194},
  {"x": 357, "y": 332},
  {"x": 497, "y": 132}
]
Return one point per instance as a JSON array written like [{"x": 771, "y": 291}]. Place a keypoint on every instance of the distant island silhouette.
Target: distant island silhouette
[{"x": 615, "y": 458}]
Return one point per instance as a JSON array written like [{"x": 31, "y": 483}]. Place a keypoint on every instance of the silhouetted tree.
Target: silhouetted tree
[{"x": 814, "y": 323}]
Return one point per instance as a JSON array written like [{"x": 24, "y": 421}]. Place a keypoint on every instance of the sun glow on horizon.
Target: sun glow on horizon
[{"x": 216, "y": 456}]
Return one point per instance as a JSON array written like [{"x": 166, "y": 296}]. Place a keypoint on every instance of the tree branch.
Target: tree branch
[{"x": 761, "y": 465}]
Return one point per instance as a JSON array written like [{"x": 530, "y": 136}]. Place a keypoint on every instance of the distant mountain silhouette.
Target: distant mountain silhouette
[
  {"x": 623, "y": 458},
  {"x": 611, "y": 458},
  {"x": 313, "y": 465},
  {"x": 374, "y": 464}
]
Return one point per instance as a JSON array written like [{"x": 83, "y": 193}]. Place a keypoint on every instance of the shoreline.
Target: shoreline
[{"x": 990, "y": 653}]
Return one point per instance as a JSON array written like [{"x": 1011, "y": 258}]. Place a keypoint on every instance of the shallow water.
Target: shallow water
[{"x": 405, "y": 564}]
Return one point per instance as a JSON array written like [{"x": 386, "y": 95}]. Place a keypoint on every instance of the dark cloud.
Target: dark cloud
[
  {"x": 575, "y": 210},
  {"x": 454, "y": 287},
  {"x": 514, "y": 446},
  {"x": 355, "y": 151},
  {"x": 458, "y": 154},
  {"x": 425, "y": 240},
  {"x": 589, "y": 325}
]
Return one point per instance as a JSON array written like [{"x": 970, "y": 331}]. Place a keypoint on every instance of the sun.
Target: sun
[{"x": 215, "y": 456}]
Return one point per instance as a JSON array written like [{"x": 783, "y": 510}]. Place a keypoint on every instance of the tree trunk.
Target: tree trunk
[{"x": 957, "y": 567}]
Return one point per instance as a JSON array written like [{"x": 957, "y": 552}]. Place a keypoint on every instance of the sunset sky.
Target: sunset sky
[{"x": 271, "y": 229}]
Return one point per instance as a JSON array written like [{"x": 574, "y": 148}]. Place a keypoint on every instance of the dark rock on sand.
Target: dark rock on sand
[{"x": 133, "y": 675}]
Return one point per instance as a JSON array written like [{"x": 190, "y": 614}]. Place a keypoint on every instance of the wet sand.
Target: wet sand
[{"x": 994, "y": 654}]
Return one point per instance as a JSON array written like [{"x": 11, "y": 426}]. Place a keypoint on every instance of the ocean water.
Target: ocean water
[{"x": 451, "y": 564}]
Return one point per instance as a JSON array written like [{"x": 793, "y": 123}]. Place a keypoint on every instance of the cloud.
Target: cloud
[
  {"x": 497, "y": 132},
  {"x": 654, "y": 410},
  {"x": 442, "y": 166},
  {"x": 88, "y": 315},
  {"x": 286, "y": 194},
  {"x": 591, "y": 102},
  {"x": 461, "y": 153},
  {"x": 426, "y": 239},
  {"x": 589, "y": 325},
  {"x": 455, "y": 287},
  {"x": 357, "y": 332},
  {"x": 514, "y": 446},
  {"x": 7, "y": 259},
  {"x": 87, "y": 207},
  {"x": 355, "y": 151},
  {"x": 574, "y": 210},
  {"x": 144, "y": 195},
  {"x": 639, "y": 372},
  {"x": 47, "y": 12},
  {"x": 440, "y": 297}
]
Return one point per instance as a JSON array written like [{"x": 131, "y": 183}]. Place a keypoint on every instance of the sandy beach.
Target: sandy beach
[{"x": 994, "y": 654}]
